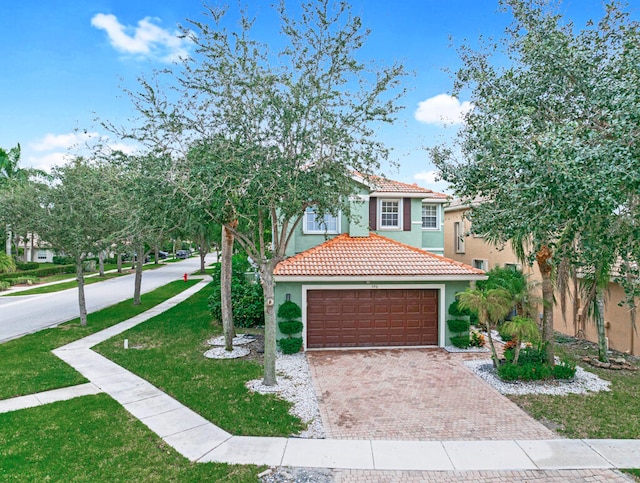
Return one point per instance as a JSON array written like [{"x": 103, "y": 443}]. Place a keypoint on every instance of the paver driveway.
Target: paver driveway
[{"x": 413, "y": 394}]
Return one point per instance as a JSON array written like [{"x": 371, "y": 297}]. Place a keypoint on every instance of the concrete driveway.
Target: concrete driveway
[{"x": 413, "y": 394}]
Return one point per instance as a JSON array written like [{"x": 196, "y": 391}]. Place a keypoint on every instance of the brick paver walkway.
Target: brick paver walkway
[
  {"x": 531, "y": 476},
  {"x": 413, "y": 394}
]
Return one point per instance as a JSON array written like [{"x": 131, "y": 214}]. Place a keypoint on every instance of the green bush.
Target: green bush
[
  {"x": 289, "y": 311},
  {"x": 247, "y": 299},
  {"x": 460, "y": 341},
  {"x": 534, "y": 355},
  {"x": 290, "y": 327},
  {"x": 530, "y": 371},
  {"x": 4, "y": 285},
  {"x": 290, "y": 345},
  {"x": 564, "y": 370},
  {"x": 41, "y": 272},
  {"x": 22, "y": 266},
  {"x": 476, "y": 339},
  {"x": 22, "y": 280},
  {"x": 456, "y": 311},
  {"x": 458, "y": 326},
  {"x": 63, "y": 260}
]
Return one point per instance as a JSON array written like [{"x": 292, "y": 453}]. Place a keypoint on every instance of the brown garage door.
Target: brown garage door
[{"x": 368, "y": 318}]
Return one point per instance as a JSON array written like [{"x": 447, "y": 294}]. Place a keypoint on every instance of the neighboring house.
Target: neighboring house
[
  {"x": 475, "y": 251},
  {"x": 379, "y": 280},
  {"x": 35, "y": 249}
]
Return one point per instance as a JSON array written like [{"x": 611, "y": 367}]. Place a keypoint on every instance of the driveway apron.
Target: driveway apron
[{"x": 413, "y": 394}]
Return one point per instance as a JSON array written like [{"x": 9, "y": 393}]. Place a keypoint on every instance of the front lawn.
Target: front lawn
[
  {"x": 169, "y": 353},
  {"x": 603, "y": 415},
  {"x": 27, "y": 364},
  {"x": 93, "y": 438}
]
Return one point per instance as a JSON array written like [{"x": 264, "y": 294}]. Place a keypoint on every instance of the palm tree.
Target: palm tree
[
  {"x": 491, "y": 306},
  {"x": 521, "y": 329}
]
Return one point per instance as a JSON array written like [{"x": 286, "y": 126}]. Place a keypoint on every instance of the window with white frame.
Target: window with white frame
[
  {"x": 429, "y": 216},
  {"x": 42, "y": 254},
  {"x": 390, "y": 214},
  {"x": 315, "y": 225}
]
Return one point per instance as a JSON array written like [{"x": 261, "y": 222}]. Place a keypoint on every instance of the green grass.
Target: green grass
[
  {"x": 169, "y": 354},
  {"x": 93, "y": 438},
  {"x": 27, "y": 364},
  {"x": 603, "y": 415}
]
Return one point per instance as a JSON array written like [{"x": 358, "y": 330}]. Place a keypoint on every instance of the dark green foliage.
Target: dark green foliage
[
  {"x": 565, "y": 370},
  {"x": 460, "y": 341},
  {"x": 290, "y": 327},
  {"x": 289, "y": 311},
  {"x": 62, "y": 260},
  {"x": 530, "y": 371},
  {"x": 41, "y": 272},
  {"x": 505, "y": 336},
  {"x": 4, "y": 285},
  {"x": 290, "y": 345},
  {"x": 456, "y": 311},
  {"x": 458, "y": 325},
  {"x": 27, "y": 265},
  {"x": 247, "y": 299}
]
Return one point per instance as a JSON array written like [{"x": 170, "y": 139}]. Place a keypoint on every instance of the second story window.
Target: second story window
[
  {"x": 429, "y": 216},
  {"x": 314, "y": 225},
  {"x": 390, "y": 214}
]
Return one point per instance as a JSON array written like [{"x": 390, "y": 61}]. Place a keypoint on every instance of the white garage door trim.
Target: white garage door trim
[{"x": 441, "y": 288}]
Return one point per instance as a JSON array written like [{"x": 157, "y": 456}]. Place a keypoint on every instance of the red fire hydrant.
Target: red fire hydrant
[{"x": 185, "y": 277}]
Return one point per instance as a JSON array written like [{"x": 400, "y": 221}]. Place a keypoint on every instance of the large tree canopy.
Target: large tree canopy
[
  {"x": 259, "y": 135},
  {"x": 549, "y": 152}
]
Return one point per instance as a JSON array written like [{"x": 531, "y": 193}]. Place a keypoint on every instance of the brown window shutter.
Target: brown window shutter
[
  {"x": 373, "y": 213},
  {"x": 406, "y": 214}
]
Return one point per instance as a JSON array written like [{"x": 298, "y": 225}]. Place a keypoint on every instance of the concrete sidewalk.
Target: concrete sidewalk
[{"x": 199, "y": 440}]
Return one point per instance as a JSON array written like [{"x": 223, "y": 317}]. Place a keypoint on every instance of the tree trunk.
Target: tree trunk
[
  {"x": 33, "y": 258},
  {"x": 225, "y": 288},
  {"x": 516, "y": 352},
  {"x": 101, "y": 262},
  {"x": 7, "y": 246},
  {"x": 82, "y": 304},
  {"x": 156, "y": 255},
  {"x": 268, "y": 289},
  {"x": 119, "y": 262},
  {"x": 204, "y": 249},
  {"x": 494, "y": 353},
  {"x": 138, "y": 279},
  {"x": 602, "y": 338},
  {"x": 543, "y": 257}
]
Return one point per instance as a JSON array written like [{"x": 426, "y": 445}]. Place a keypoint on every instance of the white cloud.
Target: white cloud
[
  {"x": 146, "y": 39},
  {"x": 63, "y": 141},
  {"x": 431, "y": 179},
  {"x": 57, "y": 149},
  {"x": 442, "y": 109}
]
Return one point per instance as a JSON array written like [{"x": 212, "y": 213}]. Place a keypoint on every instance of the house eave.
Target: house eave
[{"x": 378, "y": 278}]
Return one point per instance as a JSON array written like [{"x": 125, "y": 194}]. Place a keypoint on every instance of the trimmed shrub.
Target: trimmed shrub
[
  {"x": 27, "y": 265},
  {"x": 22, "y": 280},
  {"x": 460, "y": 341},
  {"x": 4, "y": 286},
  {"x": 289, "y": 311},
  {"x": 63, "y": 260},
  {"x": 525, "y": 372},
  {"x": 290, "y": 327},
  {"x": 41, "y": 272},
  {"x": 458, "y": 325},
  {"x": 455, "y": 310},
  {"x": 290, "y": 345}
]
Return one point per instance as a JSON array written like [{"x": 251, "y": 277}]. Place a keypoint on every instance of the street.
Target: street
[{"x": 20, "y": 315}]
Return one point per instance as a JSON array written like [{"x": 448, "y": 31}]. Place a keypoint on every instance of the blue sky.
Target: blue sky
[{"x": 64, "y": 64}]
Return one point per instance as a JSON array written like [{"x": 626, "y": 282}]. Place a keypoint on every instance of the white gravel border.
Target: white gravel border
[
  {"x": 583, "y": 382},
  {"x": 294, "y": 385}
]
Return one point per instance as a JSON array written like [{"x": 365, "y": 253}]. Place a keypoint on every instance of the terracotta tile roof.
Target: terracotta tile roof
[
  {"x": 374, "y": 255},
  {"x": 378, "y": 183}
]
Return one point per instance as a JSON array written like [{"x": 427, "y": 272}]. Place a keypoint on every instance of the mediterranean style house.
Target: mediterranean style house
[
  {"x": 379, "y": 279},
  {"x": 475, "y": 251}
]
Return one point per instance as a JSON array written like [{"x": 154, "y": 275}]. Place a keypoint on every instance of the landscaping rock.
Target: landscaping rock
[{"x": 298, "y": 475}]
